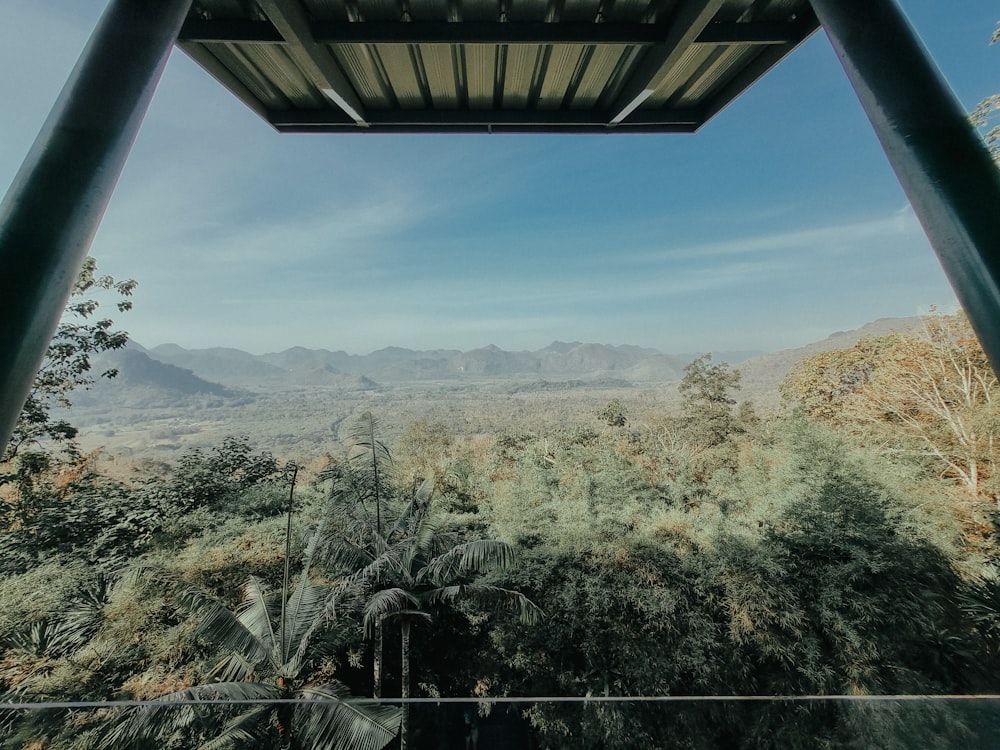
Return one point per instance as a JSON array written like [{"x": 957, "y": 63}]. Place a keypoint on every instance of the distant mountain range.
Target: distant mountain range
[
  {"x": 393, "y": 365},
  {"x": 169, "y": 374}
]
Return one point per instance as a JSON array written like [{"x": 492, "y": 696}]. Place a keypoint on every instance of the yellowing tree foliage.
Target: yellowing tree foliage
[{"x": 932, "y": 395}]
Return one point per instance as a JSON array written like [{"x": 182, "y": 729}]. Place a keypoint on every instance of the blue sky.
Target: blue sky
[{"x": 777, "y": 224}]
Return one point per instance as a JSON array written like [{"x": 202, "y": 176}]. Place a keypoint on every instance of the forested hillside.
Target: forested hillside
[{"x": 840, "y": 545}]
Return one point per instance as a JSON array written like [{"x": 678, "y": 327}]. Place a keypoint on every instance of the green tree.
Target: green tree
[
  {"x": 219, "y": 478},
  {"x": 706, "y": 390},
  {"x": 363, "y": 482},
  {"x": 809, "y": 569},
  {"x": 268, "y": 645},
  {"x": 417, "y": 566},
  {"x": 371, "y": 460},
  {"x": 67, "y": 366},
  {"x": 931, "y": 398},
  {"x": 986, "y": 111},
  {"x": 823, "y": 385},
  {"x": 613, "y": 414}
]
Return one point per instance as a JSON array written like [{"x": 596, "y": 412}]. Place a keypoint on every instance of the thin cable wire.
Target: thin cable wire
[{"x": 77, "y": 705}]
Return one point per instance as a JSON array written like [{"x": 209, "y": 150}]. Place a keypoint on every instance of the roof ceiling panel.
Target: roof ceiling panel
[
  {"x": 441, "y": 69},
  {"x": 481, "y": 73},
  {"x": 275, "y": 65},
  {"x": 245, "y": 68},
  {"x": 403, "y": 73},
  {"x": 520, "y": 64},
  {"x": 562, "y": 65},
  {"x": 598, "y": 72},
  {"x": 482, "y": 65},
  {"x": 527, "y": 10},
  {"x": 713, "y": 72},
  {"x": 378, "y": 10},
  {"x": 365, "y": 74}
]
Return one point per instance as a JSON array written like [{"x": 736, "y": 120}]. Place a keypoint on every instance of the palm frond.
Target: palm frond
[
  {"x": 364, "y": 433},
  {"x": 405, "y": 521},
  {"x": 247, "y": 727},
  {"x": 390, "y": 564},
  {"x": 313, "y": 546},
  {"x": 423, "y": 494},
  {"x": 234, "y": 668},
  {"x": 529, "y": 612},
  {"x": 425, "y": 532},
  {"x": 141, "y": 726},
  {"x": 345, "y": 555},
  {"x": 257, "y": 612},
  {"x": 385, "y": 603},
  {"x": 306, "y": 608},
  {"x": 478, "y": 556},
  {"x": 340, "y": 722},
  {"x": 226, "y": 629}
]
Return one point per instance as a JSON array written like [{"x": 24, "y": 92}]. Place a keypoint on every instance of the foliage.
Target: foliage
[
  {"x": 707, "y": 401},
  {"x": 269, "y": 645},
  {"x": 220, "y": 478},
  {"x": 66, "y": 367},
  {"x": 613, "y": 414},
  {"x": 408, "y": 564},
  {"x": 805, "y": 571},
  {"x": 424, "y": 451},
  {"x": 931, "y": 399},
  {"x": 709, "y": 553},
  {"x": 986, "y": 111},
  {"x": 78, "y": 511},
  {"x": 371, "y": 462}
]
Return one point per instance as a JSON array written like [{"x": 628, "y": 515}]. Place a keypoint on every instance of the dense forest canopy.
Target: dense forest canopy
[{"x": 842, "y": 545}]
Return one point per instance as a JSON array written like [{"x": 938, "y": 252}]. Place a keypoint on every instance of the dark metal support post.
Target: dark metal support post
[
  {"x": 55, "y": 204},
  {"x": 940, "y": 161}
]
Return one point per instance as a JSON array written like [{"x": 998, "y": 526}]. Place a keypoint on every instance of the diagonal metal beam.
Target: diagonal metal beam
[
  {"x": 940, "y": 160},
  {"x": 55, "y": 203},
  {"x": 313, "y": 57},
  {"x": 689, "y": 22}
]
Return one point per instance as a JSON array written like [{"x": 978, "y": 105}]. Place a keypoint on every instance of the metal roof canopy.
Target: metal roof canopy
[{"x": 581, "y": 66}]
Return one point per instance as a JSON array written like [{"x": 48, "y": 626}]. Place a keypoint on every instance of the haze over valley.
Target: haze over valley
[{"x": 167, "y": 399}]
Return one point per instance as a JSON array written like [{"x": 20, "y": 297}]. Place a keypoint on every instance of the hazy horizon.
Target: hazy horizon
[{"x": 333, "y": 348}]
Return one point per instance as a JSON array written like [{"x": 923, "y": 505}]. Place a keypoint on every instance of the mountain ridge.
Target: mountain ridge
[
  {"x": 169, "y": 372},
  {"x": 235, "y": 367}
]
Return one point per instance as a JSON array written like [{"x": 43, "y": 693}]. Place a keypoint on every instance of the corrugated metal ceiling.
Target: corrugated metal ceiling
[{"x": 491, "y": 65}]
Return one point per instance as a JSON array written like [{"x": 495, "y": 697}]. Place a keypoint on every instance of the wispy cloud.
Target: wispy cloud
[{"x": 840, "y": 238}]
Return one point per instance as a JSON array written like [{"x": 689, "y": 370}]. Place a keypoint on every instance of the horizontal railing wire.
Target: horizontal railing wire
[{"x": 504, "y": 699}]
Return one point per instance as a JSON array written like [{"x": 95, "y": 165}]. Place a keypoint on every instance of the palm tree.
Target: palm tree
[
  {"x": 418, "y": 565},
  {"x": 267, "y": 644},
  {"x": 364, "y": 481},
  {"x": 370, "y": 458}
]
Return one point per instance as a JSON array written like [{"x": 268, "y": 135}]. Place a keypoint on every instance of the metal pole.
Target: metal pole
[
  {"x": 55, "y": 204},
  {"x": 943, "y": 166}
]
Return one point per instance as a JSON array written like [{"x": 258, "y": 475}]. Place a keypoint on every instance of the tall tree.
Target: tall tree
[
  {"x": 933, "y": 396},
  {"x": 371, "y": 460},
  {"x": 708, "y": 403},
  {"x": 267, "y": 644},
  {"x": 418, "y": 565},
  {"x": 67, "y": 363}
]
